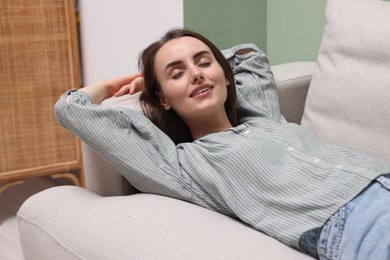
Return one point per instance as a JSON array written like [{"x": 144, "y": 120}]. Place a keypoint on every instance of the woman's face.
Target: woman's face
[{"x": 192, "y": 81}]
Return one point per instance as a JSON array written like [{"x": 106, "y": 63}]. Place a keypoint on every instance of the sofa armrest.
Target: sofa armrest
[
  {"x": 293, "y": 80},
  {"x": 100, "y": 177},
  {"x": 68, "y": 222}
]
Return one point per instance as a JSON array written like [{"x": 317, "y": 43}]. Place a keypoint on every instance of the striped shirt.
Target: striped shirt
[{"x": 276, "y": 176}]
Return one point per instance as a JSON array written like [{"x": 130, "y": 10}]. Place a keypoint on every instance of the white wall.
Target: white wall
[{"x": 114, "y": 32}]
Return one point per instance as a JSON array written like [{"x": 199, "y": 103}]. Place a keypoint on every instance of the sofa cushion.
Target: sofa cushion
[{"x": 348, "y": 101}]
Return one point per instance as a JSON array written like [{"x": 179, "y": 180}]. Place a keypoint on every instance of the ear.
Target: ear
[
  {"x": 227, "y": 82},
  {"x": 163, "y": 101}
]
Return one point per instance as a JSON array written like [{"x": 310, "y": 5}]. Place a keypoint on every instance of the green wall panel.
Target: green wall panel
[
  {"x": 294, "y": 29},
  {"x": 228, "y": 22}
]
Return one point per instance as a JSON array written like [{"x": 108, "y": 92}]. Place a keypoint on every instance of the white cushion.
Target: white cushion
[{"x": 349, "y": 97}]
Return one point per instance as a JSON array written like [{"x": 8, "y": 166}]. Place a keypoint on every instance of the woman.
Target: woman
[{"x": 235, "y": 153}]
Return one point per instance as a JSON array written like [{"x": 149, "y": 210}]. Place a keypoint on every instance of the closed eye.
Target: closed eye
[
  {"x": 178, "y": 75},
  {"x": 204, "y": 64}
]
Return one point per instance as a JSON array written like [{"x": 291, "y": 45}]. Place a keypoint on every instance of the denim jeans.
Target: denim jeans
[{"x": 360, "y": 230}]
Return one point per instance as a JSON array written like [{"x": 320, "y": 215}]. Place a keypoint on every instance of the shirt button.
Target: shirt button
[
  {"x": 247, "y": 131},
  {"x": 291, "y": 149},
  {"x": 339, "y": 166},
  {"x": 316, "y": 160}
]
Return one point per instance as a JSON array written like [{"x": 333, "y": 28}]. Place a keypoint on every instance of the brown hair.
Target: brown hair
[{"x": 169, "y": 121}]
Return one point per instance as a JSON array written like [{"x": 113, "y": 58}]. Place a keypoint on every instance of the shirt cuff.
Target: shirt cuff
[
  {"x": 77, "y": 97},
  {"x": 231, "y": 52}
]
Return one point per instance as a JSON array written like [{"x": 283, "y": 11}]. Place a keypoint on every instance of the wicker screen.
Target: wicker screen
[{"x": 38, "y": 62}]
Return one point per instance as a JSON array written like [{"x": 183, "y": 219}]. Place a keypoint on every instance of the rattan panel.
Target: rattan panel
[{"x": 38, "y": 62}]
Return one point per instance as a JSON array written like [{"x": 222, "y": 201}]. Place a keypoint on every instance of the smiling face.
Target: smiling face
[{"x": 192, "y": 81}]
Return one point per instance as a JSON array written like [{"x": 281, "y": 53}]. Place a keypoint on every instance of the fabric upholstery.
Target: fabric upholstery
[
  {"x": 293, "y": 80},
  {"x": 348, "y": 101},
  {"x": 69, "y": 222},
  {"x": 101, "y": 177}
]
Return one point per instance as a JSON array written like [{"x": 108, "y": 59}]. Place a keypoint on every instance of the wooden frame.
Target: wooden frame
[{"x": 39, "y": 60}]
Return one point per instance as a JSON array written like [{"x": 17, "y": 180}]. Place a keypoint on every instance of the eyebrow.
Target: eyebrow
[{"x": 196, "y": 55}]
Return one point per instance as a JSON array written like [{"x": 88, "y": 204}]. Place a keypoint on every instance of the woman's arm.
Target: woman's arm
[
  {"x": 256, "y": 91},
  {"x": 115, "y": 87},
  {"x": 127, "y": 140}
]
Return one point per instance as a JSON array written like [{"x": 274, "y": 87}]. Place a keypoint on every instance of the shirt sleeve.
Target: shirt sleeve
[
  {"x": 131, "y": 143},
  {"x": 256, "y": 91}
]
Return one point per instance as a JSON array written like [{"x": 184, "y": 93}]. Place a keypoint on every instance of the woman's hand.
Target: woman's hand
[
  {"x": 136, "y": 85},
  {"x": 114, "y": 87}
]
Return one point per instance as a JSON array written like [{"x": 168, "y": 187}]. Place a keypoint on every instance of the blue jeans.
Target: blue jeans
[{"x": 360, "y": 230}]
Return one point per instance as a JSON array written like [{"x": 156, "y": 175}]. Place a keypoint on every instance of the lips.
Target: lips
[{"x": 200, "y": 89}]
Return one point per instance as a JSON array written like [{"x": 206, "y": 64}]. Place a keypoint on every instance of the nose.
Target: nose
[{"x": 196, "y": 76}]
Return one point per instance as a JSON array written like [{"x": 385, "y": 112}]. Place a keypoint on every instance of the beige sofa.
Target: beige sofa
[{"x": 348, "y": 103}]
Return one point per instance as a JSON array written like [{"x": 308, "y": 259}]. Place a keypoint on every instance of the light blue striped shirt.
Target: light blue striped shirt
[{"x": 276, "y": 176}]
